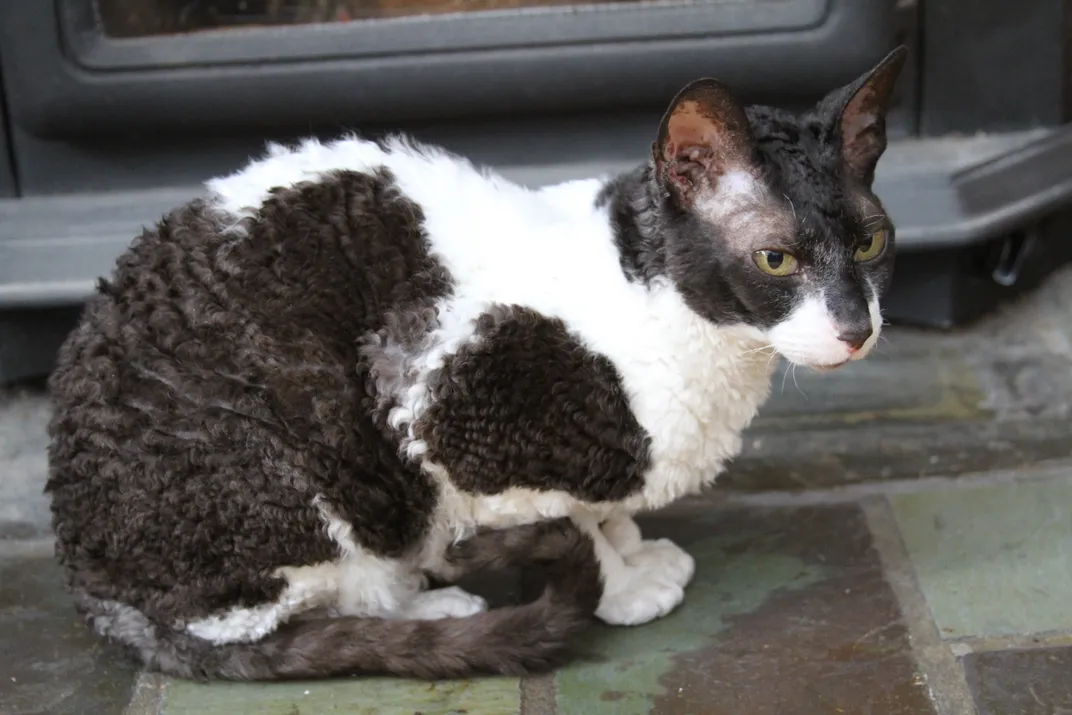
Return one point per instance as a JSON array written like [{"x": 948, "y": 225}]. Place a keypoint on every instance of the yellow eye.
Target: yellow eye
[
  {"x": 775, "y": 263},
  {"x": 873, "y": 247}
]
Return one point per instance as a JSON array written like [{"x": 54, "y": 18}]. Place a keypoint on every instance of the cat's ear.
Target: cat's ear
[
  {"x": 860, "y": 111},
  {"x": 704, "y": 134}
]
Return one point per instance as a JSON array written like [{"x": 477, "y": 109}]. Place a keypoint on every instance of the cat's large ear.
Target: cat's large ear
[
  {"x": 859, "y": 111},
  {"x": 704, "y": 134}
]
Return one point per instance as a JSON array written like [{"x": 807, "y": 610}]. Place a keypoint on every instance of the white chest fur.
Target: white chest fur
[{"x": 692, "y": 385}]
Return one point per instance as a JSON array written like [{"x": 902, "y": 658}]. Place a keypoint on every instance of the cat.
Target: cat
[{"x": 350, "y": 368}]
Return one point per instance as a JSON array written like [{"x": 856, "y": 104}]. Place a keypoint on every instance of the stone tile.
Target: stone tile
[
  {"x": 1025, "y": 387},
  {"x": 51, "y": 662},
  {"x": 825, "y": 458},
  {"x": 1049, "y": 307},
  {"x": 914, "y": 384},
  {"x": 789, "y": 612},
  {"x": 24, "y": 508},
  {"x": 992, "y": 560},
  {"x": 1021, "y": 682},
  {"x": 930, "y": 404},
  {"x": 368, "y": 696},
  {"x": 54, "y": 664}
]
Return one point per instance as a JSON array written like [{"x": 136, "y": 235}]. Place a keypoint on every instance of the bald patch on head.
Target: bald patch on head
[{"x": 745, "y": 212}]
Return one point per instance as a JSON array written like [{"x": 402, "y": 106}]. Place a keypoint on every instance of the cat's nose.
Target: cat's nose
[{"x": 855, "y": 337}]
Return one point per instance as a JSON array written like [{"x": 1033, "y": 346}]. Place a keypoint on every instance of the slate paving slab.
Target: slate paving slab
[
  {"x": 908, "y": 383},
  {"x": 370, "y": 696},
  {"x": 995, "y": 395},
  {"x": 993, "y": 560},
  {"x": 789, "y": 609},
  {"x": 1021, "y": 682},
  {"x": 24, "y": 510},
  {"x": 929, "y": 405},
  {"x": 789, "y": 613},
  {"x": 831, "y": 458},
  {"x": 51, "y": 664}
]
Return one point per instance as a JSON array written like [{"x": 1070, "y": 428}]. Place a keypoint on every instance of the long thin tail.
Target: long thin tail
[{"x": 513, "y": 640}]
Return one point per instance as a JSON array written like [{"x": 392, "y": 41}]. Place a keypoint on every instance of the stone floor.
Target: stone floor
[{"x": 897, "y": 538}]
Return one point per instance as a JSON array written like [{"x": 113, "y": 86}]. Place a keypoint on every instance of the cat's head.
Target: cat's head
[{"x": 772, "y": 219}]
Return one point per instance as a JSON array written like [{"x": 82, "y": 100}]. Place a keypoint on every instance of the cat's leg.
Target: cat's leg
[
  {"x": 396, "y": 588},
  {"x": 447, "y": 602},
  {"x": 655, "y": 556},
  {"x": 633, "y": 593},
  {"x": 401, "y": 594}
]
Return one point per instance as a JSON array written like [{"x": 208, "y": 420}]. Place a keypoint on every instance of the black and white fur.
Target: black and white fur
[{"x": 297, "y": 395}]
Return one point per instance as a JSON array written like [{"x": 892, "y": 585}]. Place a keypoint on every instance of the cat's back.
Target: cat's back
[
  {"x": 318, "y": 255},
  {"x": 217, "y": 370},
  {"x": 494, "y": 237}
]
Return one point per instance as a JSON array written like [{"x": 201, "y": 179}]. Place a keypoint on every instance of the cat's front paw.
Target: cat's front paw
[
  {"x": 450, "y": 602},
  {"x": 664, "y": 560},
  {"x": 636, "y": 597},
  {"x": 660, "y": 557}
]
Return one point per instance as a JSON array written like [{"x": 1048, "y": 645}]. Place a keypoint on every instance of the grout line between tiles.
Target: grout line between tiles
[
  {"x": 945, "y": 679},
  {"x": 27, "y": 548},
  {"x": 148, "y": 696},
  {"x": 1041, "y": 472},
  {"x": 1016, "y": 641},
  {"x": 538, "y": 695}
]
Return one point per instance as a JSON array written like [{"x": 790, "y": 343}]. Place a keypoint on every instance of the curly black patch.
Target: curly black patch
[
  {"x": 214, "y": 388},
  {"x": 527, "y": 405}
]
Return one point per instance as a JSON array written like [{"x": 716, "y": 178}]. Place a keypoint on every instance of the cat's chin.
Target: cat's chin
[
  {"x": 830, "y": 367},
  {"x": 820, "y": 366}
]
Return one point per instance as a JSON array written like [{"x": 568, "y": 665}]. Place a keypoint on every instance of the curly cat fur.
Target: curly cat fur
[
  {"x": 304, "y": 394},
  {"x": 200, "y": 344}
]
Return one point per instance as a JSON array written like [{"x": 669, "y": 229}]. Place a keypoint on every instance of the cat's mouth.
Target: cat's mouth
[{"x": 830, "y": 367}]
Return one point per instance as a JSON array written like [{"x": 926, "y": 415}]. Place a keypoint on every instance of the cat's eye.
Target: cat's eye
[
  {"x": 872, "y": 248},
  {"x": 776, "y": 263}
]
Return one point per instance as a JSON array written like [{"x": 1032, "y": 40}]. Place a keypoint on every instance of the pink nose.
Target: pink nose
[{"x": 855, "y": 338}]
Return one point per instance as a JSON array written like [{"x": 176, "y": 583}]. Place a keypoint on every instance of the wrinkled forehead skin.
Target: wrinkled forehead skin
[
  {"x": 799, "y": 165},
  {"x": 795, "y": 197},
  {"x": 746, "y": 212}
]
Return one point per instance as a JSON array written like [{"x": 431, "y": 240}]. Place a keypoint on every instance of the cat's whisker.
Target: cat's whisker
[
  {"x": 874, "y": 221},
  {"x": 785, "y": 375},
  {"x": 796, "y": 383},
  {"x": 759, "y": 349}
]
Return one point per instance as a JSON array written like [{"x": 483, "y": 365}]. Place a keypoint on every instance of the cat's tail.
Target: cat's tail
[{"x": 512, "y": 640}]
